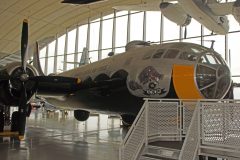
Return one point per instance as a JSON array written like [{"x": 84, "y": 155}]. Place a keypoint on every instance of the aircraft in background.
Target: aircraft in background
[
  {"x": 85, "y": 59},
  {"x": 210, "y": 13},
  {"x": 117, "y": 84}
]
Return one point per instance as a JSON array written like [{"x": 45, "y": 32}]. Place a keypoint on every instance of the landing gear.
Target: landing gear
[
  {"x": 81, "y": 115},
  {"x": 127, "y": 120},
  {"x": 15, "y": 121}
]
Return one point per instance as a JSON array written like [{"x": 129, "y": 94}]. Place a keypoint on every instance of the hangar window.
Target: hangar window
[
  {"x": 171, "y": 53},
  {"x": 158, "y": 54},
  {"x": 188, "y": 56}
]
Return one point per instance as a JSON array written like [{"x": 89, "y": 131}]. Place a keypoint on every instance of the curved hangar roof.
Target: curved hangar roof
[{"x": 46, "y": 18}]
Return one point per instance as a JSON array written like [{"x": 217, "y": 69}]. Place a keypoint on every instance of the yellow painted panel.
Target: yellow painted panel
[{"x": 183, "y": 81}]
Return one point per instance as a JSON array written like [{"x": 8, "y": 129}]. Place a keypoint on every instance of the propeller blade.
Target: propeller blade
[
  {"x": 22, "y": 111},
  {"x": 24, "y": 45}
]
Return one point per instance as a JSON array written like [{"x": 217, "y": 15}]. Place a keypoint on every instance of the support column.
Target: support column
[
  {"x": 65, "y": 52},
  {"x": 114, "y": 32},
  {"x": 55, "y": 55},
  {"x": 100, "y": 39},
  {"x": 76, "y": 48}
]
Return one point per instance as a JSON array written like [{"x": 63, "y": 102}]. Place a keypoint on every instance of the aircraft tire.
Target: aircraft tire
[
  {"x": 127, "y": 120},
  {"x": 81, "y": 115},
  {"x": 1, "y": 121},
  {"x": 15, "y": 123}
]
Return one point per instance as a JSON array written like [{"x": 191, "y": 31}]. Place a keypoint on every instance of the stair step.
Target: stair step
[
  {"x": 162, "y": 152},
  {"x": 146, "y": 157},
  {"x": 168, "y": 144}
]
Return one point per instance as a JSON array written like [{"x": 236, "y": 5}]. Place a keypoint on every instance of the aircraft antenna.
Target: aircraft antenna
[
  {"x": 185, "y": 32},
  {"x": 212, "y": 43}
]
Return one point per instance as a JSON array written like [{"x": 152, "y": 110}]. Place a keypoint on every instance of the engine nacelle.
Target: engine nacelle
[
  {"x": 10, "y": 90},
  {"x": 236, "y": 11},
  {"x": 175, "y": 13}
]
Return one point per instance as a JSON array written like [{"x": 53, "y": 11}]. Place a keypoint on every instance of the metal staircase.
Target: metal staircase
[{"x": 184, "y": 130}]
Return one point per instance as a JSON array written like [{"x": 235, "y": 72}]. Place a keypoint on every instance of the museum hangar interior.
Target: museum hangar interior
[{"x": 143, "y": 78}]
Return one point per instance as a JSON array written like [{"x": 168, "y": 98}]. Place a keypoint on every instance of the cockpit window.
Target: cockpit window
[
  {"x": 188, "y": 56},
  {"x": 158, "y": 54},
  {"x": 209, "y": 59},
  {"x": 197, "y": 49},
  {"x": 220, "y": 60},
  {"x": 171, "y": 53}
]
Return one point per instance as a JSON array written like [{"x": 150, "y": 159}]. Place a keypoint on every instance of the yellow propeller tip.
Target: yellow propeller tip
[
  {"x": 25, "y": 20},
  {"x": 21, "y": 138},
  {"x": 78, "y": 81}
]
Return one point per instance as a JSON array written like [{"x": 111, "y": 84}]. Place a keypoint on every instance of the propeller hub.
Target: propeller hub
[
  {"x": 24, "y": 77},
  {"x": 18, "y": 76}
]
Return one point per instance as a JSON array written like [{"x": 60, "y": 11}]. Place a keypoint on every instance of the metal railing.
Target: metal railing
[
  {"x": 219, "y": 127},
  {"x": 135, "y": 138},
  {"x": 210, "y": 127},
  {"x": 158, "y": 119}
]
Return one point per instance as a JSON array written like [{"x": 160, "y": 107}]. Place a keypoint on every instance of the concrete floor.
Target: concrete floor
[{"x": 58, "y": 136}]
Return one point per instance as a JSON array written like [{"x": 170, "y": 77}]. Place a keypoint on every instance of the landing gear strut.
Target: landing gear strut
[
  {"x": 127, "y": 119},
  {"x": 15, "y": 121}
]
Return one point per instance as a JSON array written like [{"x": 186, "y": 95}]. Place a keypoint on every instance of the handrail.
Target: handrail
[
  {"x": 131, "y": 130},
  {"x": 134, "y": 123},
  {"x": 214, "y": 125}
]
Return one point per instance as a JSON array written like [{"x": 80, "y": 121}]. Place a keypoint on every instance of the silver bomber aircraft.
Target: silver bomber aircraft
[{"x": 118, "y": 84}]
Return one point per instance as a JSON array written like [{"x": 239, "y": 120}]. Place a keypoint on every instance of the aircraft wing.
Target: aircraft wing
[
  {"x": 149, "y": 6},
  {"x": 140, "y": 7},
  {"x": 103, "y": 83},
  {"x": 221, "y": 9},
  {"x": 60, "y": 85}
]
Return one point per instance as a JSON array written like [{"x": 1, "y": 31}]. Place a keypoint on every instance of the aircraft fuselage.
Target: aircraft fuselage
[{"x": 174, "y": 70}]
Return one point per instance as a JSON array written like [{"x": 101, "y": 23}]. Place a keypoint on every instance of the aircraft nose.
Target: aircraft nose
[{"x": 213, "y": 81}]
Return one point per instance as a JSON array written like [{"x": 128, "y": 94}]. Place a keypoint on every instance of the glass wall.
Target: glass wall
[{"x": 112, "y": 32}]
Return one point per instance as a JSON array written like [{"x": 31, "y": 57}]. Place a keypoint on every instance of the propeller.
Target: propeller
[{"x": 25, "y": 77}]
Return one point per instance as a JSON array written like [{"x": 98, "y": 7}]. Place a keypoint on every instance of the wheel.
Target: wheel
[
  {"x": 127, "y": 120},
  {"x": 1, "y": 121},
  {"x": 15, "y": 121},
  {"x": 81, "y": 115}
]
